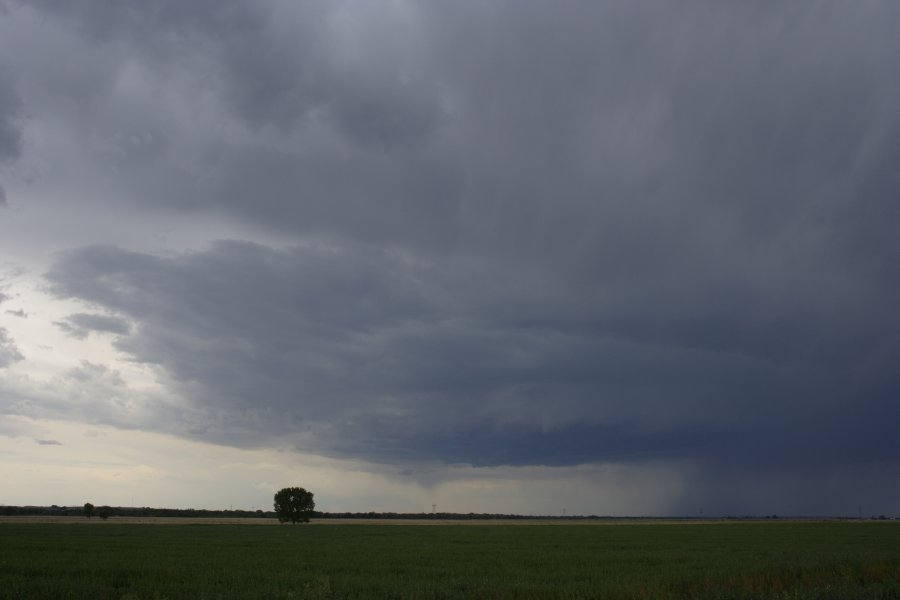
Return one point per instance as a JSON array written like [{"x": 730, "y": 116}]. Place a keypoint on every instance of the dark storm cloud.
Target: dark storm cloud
[
  {"x": 361, "y": 352},
  {"x": 82, "y": 324},
  {"x": 545, "y": 234},
  {"x": 612, "y": 121},
  {"x": 297, "y": 93},
  {"x": 10, "y": 128},
  {"x": 275, "y": 63},
  {"x": 282, "y": 330}
]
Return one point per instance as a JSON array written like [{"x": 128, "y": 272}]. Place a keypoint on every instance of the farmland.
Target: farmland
[{"x": 124, "y": 560}]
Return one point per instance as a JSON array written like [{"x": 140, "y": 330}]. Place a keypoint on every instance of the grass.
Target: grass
[{"x": 736, "y": 560}]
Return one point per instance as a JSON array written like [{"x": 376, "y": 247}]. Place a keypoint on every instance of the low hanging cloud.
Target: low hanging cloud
[
  {"x": 81, "y": 325},
  {"x": 361, "y": 353}
]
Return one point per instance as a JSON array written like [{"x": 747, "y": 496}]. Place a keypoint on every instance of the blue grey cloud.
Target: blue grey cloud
[
  {"x": 511, "y": 233},
  {"x": 10, "y": 125},
  {"x": 10, "y": 113},
  {"x": 362, "y": 353},
  {"x": 80, "y": 325}
]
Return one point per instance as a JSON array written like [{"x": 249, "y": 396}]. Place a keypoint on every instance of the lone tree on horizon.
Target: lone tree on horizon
[
  {"x": 294, "y": 504},
  {"x": 88, "y": 510}
]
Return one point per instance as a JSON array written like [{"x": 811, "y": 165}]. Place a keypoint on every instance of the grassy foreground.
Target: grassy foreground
[{"x": 734, "y": 560}]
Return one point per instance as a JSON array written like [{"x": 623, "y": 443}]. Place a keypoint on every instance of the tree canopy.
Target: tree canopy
[{"x": 294, "y": 504}]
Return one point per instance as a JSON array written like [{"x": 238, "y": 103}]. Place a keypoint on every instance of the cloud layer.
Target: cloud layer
[
  {"x": 357, "y": 352},
  {"x": 494, "y": 234}
]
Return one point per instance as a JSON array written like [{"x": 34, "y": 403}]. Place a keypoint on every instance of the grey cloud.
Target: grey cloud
[
  {"x": 10, "y": 126},
  {"x": 17, "y": 313},
  {"x": 274, "y": 62},
  {"x": 10, "y": 114},
  {"x": 80, "y": 325},
  {"x": 94, "y": 393},
  {"x": 368, "y": 354},
  {"x": 309, "y": 305},
  {"x": 525, "y": 234},
  {"x": 71, "y": 331},
  {"x": 106, "y": 21},
  {"x": 89, "y": 372},
  {"x": 720, "y": 120},
  {"x": 9, "y": 352},
  {"x": 48, "y": 442},
  {"x": 277, "y": 64},
  {"x": 835, "y": 489},
  {"x": 305, "y": 111}
]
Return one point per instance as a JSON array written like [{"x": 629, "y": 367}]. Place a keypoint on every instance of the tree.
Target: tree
[
  {"x": 294, "y": 504},
  {"x": 88, "y": 510},
  {"x": 103, "y": 512}
]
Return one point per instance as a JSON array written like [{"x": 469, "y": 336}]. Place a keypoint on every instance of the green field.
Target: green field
[{"x": 837, "y": 560}]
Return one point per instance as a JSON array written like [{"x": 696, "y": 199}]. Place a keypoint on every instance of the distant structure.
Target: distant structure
[{"x": 433, "y": 508}]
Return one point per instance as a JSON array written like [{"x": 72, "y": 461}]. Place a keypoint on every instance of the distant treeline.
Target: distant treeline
[
  {"x": 440, "y": 516},
  {"x": 128, "y": 511}
]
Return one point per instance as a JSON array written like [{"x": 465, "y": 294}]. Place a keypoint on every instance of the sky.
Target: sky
[{"x": 618, "y": 257}]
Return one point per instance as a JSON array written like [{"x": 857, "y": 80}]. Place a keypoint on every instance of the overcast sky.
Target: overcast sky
[{"x": 609, "y": 257}]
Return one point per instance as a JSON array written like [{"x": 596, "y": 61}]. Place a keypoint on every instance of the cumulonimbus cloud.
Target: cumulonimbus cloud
[
  {"x": 610, "y": 231},
  {"x": 369, "y": 355}
]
